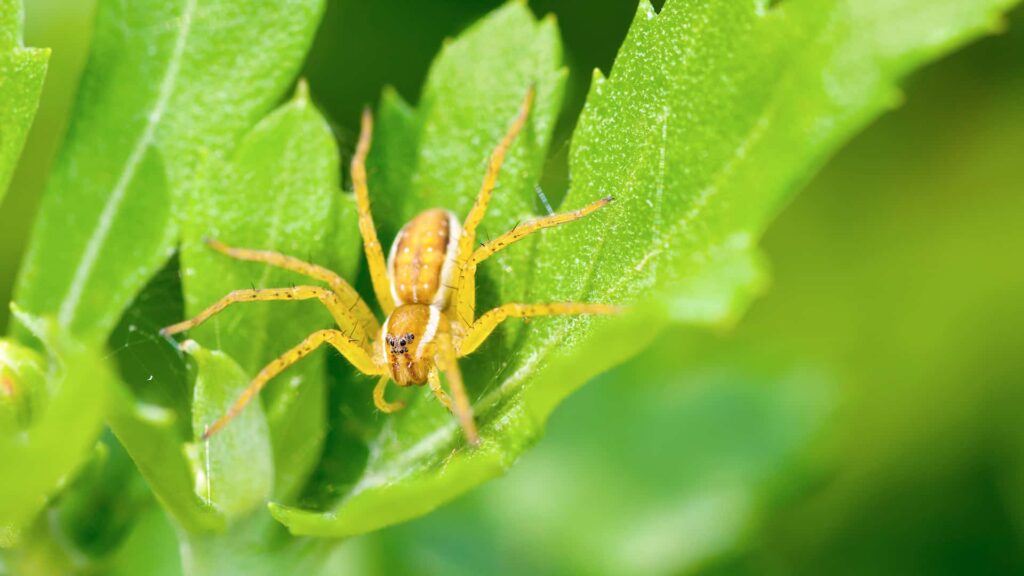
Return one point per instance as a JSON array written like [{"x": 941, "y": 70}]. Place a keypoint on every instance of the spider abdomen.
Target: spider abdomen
[{"x": 422, "y": 258}]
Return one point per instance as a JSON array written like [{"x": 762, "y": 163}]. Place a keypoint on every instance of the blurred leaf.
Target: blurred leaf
[
  {"x": 170, "y": 86},
  {"x": 715, "y": 113},
  {"x": 280, "y": 192},
  {"x": 234, "y": 468},
  {"x": 22, "y": 71},
  {"x": 107, "y": 487},
  {"x": 61, "y": 436},
  {"x": 23, "y": 389},
  {"x": 151, "y": 548},
  {"x": 150, "y": 436},
  {"x": 682, "y": 451}
]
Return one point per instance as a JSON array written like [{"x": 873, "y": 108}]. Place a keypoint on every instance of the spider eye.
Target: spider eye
[
  {"x": 401, "y": 342},
  {"x": 410, "y": 336}
]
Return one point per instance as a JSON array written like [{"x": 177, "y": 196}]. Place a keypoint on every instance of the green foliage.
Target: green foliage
[
  {"x": 712, "y": 117},
  {"x": 58, "y": 423},
  {"x": 169, "y": 88},
  {"x": 21, "y": 80},
  {"x": 235, "y": 469},
  {"x": 471, "y": 96},
  {"x": 279, "y": 191},
  {"x": 714, "y": 114}
]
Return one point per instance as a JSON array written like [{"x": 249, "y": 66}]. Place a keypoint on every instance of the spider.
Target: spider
[{"x": 426, "y": 289}]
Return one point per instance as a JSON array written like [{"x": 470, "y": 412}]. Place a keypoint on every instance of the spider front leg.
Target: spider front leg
[
  {"x": 530, "y": 226},
  {"x": 483, "y": 198},
  {"x": 434, "y": 377},
  {"x": 351, "y": 350},
  {"x": 466, "y": 300},
  {"x": 486, "y": 324},
  {"x": 466, "y": 281},
  {"x": 446, "y": 359},
  {"x": 338, "y": 285},
  {"x": 344, "y": 317},
  {"x": 371, "y": 245}
]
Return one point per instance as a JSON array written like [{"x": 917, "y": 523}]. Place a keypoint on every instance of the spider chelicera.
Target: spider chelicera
[{"x": 426, "y": 288}]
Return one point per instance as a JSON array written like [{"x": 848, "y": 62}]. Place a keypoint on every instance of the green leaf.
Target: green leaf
[
  {"x": 152, "y": 421},
  {"x": 715, "y": 113},
  {"x": 150, "y": 548},
  {"x": 22, "y": 71},
  {"x": 288, "y": 159},
  {"x": 438, "y": 151},
  {"x": 234, "y": 468},
  {"x": 279, "y": 191},
  {"x": 65, "y": 420},
  {"x": 150, "y": 436},
  {"x": 169, "y": 88},
  {"x": 471, "y": 96}
]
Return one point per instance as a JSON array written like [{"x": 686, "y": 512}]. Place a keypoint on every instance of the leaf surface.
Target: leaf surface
[
  {"x": 280, "y": 192},
  {"x": 69, "y": 396},
  {"x": 235, "y": 468},
  {"x": 713, "y": 116},
  {"x": 169, "y": 87},
  {"x": 22, "y": 71}
]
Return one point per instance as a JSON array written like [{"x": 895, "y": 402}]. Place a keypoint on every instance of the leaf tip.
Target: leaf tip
[
  {"x": 646, "y": 9},
  {"x": 190, "y": 347},
  {"x": 301, "y": 97}
]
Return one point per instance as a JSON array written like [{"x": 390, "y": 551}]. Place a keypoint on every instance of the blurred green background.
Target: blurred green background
[{"x": 865, "y": 416}]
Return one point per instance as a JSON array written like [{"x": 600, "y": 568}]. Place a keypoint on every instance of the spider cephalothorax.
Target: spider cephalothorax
[
  {"x": 409, "y": 342},
  {"x": 427, "y": 289}
]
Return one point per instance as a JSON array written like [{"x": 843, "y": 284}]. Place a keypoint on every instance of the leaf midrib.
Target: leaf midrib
[{"x": 99, "y": 237}]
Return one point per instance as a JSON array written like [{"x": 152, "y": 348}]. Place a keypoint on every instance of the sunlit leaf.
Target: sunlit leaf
[
  {"x": 279, "y": 192},
  {"x": 234, "y": 468},
  {"x": 169, "y": 87},
  {"x": 713, "y": 116}
]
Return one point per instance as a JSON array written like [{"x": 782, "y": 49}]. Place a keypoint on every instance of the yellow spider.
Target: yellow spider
[{"x": 430, "y": 320}]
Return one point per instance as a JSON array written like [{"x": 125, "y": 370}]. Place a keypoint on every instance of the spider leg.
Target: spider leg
[
  {"x": 378, "y": 397},
  {"x": 446, "y": 360},
  {"x": 371, "y": 245},
  {"x": 353, "y": 352},
  {"x": 338, "y": 285},
  {"x": 529, "y": 227},
  {"x": 342, "y": 315},
  {"x": 435, "y": 386},
  {"x": 476, "y": 213},
  {"x": 486, "y": 324},
  {"x": 466, "y": 282}
]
